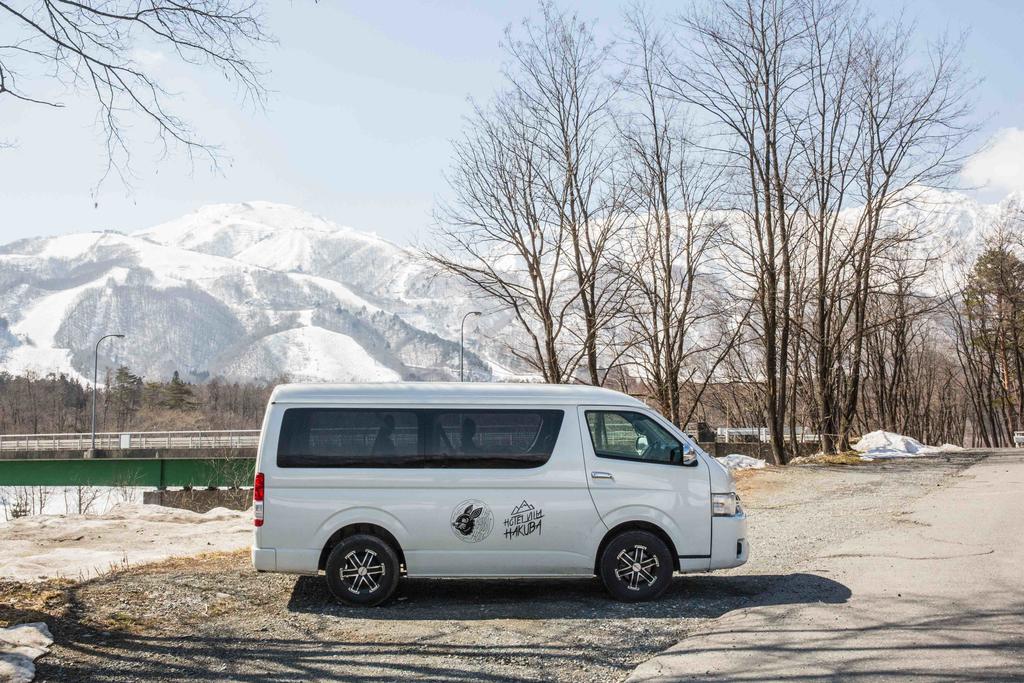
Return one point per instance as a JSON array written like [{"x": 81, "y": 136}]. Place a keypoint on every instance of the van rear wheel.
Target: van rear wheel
[
  {"x": 362, "y": 570},
  {"x": 636, "y": 566}
]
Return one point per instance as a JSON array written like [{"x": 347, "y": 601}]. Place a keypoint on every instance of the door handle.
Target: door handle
[{"x": 601, "y": 475}]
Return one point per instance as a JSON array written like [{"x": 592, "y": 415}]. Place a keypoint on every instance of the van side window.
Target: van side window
[
  {"x": 625, "y": 435},
  {"x": 312, "y": 437},
  {"x": 494, "y": 438},
  {"x": 357, "y": 437}
]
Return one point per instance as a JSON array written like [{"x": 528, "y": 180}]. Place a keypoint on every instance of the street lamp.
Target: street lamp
[
  {"x": 95, "y": 377},
  {"x": 462, "y": 343}
]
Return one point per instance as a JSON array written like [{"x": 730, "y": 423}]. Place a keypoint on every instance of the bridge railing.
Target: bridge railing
[{"x": 226, "y": 438}]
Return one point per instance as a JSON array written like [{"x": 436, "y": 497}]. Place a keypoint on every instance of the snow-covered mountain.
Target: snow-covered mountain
[
  {"x": 261, "y": 290},
  {"x": 254, "y": 290}
]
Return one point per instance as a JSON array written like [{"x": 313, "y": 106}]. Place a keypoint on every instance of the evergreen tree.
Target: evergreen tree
[
  {"x": 178, "y": 394},
  {"x": 126, "y": 396},
  {"x": 994, "y": 303}
]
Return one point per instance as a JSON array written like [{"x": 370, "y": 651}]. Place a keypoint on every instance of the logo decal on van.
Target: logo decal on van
[
  {"x": 472, "y": 521},
  {"x": 524, "y": 520}
]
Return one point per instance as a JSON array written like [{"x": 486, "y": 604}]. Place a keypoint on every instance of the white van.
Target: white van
[{"x": 369, "y": 482}]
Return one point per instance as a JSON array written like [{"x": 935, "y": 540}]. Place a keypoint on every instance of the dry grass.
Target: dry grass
[
  {"x": 201, "y": 562},
  {"x": 25, "y": 602},
  {"x": 754, "y": 483},
  {"x": 121, "y": 621},
  {"x": 22, "y": 603},
  {"x": 846, "y": 458}
]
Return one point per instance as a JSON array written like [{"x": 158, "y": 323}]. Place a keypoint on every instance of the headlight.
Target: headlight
[{"x": 725, "y": 504}]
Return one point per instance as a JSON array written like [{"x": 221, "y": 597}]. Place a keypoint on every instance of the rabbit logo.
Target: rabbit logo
[{"x": 472, "y": 521}]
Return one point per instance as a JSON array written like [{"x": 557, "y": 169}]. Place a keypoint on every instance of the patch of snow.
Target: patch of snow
[
  {"x": 65, "y": 500},
  {"x": 22, "y": 360},
  {"x": 317, "y": 354},
  {"x": 174, "y": 266},
  {"x": 70, "y": 246},
  {"x": 43, "y": 318},
  {"x": 881, "y": 444},
  {"x": 38, "y": 326},
  {"x": 340, "y": 291},
  {"x": 229, "y": 229},
  {"x": 288, "y": 250},
  {"x": 501, "y": 373},
  {"x": 20, "y": 647},
  {"x": 738, "y": 461},
  {"x": 79, "y": 546}
]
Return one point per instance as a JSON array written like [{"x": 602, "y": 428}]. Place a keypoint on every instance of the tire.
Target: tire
[
  {"x": 357, "y": 587},
  {"x": 619, "y": 562}
]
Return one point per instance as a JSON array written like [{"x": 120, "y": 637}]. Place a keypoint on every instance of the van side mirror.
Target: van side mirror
[{"x": 689, "y": 457}]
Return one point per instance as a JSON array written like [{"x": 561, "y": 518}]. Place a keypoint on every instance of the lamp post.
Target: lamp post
[
  {"x": 95, "y": 377},
  {"x": 462, "y": 343}
]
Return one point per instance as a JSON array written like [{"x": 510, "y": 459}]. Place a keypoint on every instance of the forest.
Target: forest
[{"x": 56, "y": 404}]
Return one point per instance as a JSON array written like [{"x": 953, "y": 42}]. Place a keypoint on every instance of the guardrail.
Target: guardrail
[{"x": 113, "y": 441}]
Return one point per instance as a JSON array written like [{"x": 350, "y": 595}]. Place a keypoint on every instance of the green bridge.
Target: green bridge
[
  {"x": 198, "y": 459},
  {"x": 152, "y": 471}
]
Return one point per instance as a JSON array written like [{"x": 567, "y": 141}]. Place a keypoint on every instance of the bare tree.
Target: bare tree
[
  {"x": 819, "y": 110},
  {"x": 534, "y": 212},
  {"x": 828, "y": 136},
  {"x": 23, "y": 501},
  {"x": 679, "y": 326},
  {"x": 743, "y": 70},
  {"x": 500, "y": 235},
  {"x": 816, "y": 125},
  {"x": 92, "y": 47},
  {"x": 82, "y": 499},
  {"x": 915, "y": 119},
  {"x": 558, "y": 71}
]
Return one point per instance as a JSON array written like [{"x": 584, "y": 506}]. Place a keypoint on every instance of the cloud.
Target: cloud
[{"x": 1000, "y": 165}]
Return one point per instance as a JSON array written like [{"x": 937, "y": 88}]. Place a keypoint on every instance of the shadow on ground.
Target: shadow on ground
[
  {"x": 274, "y": 658},
  {"x": 455, "y": 630},
  {"x": 468, "y": 599},
  {"x": 991, "y": 640}
]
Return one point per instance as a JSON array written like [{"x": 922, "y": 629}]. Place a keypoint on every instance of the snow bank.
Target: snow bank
[
  {"x": 64, "y": 500},
  {"x": 881, "y": 444},
  {"x": 80, "y": 546},
  {"x": 20, "y": 647},
  {"x": 737, "y": 461}
]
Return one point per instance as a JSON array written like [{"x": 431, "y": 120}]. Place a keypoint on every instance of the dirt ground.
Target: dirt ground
[{"x": 212, "y": 618}]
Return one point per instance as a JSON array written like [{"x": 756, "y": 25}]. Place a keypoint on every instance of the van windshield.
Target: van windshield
[{"x": 456, "y": 438}]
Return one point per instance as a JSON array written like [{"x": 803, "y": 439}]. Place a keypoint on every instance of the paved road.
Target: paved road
[{"x": 939, "y": 596}]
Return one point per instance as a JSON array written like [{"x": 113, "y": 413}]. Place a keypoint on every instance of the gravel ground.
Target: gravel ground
[{"x": 211, "y": 618}]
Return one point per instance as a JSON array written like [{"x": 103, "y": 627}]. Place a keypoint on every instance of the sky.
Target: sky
[{"x": 365, "y": 100}]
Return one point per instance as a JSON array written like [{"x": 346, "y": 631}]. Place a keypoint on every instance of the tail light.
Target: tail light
[{"x": 257, "y": 500}]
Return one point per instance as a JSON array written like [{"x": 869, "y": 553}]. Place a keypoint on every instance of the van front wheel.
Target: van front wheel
[
  {"x": 362, "y": 570},
  {"x": 636, "y": 566}
]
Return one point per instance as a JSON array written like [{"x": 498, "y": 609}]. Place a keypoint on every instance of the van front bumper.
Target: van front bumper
[
  {"x": 264, "y": 559},
  {"x": 729, "y": 546}
]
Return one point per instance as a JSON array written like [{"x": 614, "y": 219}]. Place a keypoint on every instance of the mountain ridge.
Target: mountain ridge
[
  {"x": 260, "y": 319},
  {"x": 279, "y": 291}
]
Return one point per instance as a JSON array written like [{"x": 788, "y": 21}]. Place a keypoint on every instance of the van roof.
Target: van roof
[{"x": 450, "y": 392}]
